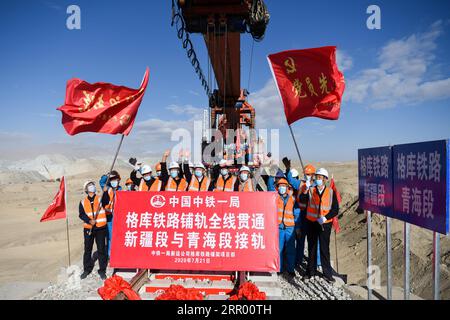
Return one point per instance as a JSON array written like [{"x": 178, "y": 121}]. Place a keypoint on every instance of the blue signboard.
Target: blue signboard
[
  {"x": 421, "y": 182},
  {"x": 375, "y": 180}
]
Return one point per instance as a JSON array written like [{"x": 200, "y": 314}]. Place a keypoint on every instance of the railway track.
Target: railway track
[{"x": 213, "y": 285}]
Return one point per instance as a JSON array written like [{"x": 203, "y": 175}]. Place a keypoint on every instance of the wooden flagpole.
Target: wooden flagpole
[
  {"x": 298, "y": 151},
  {"x": 107, "y": 180}
]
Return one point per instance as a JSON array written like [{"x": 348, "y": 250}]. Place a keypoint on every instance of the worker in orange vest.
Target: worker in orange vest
[
  {"x": 175, "y": 181},
  {"x": 198, "y": 181},
  {"x": 95, "y": 229},
  {"x": 288, "y": 222},
  {"x": 225, "y": 181},
  {"x": 146, "y": 182},
  {"x": 321, "y": 207},
  {"x": 245, "y": 180},
  {"x": 129, "y": 185},
  {"x": 302, "y": 186}
]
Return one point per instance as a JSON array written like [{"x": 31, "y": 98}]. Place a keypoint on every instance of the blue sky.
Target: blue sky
[{"x": 398, "y": 78}]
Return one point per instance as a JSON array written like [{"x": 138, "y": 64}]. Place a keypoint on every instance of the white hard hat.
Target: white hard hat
[
  {"x": 294, "y": 173},
  {"x": 199, "y": 165},
  {"x": 146, "y": 169},
  {"x": 322, "y": 172},
  {"x": 88, "y": 183},
  {"x": 244, "y": 168},
  {"x": 191, "y": 165},
  {"x": 223, "y": 163},
  {"x": 174, "y": 165}
]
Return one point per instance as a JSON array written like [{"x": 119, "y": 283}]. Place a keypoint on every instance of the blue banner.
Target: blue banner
[
  {"x": 408, "y": 182},
  {"x": 375, "y": 180},
  {"x": 421, "y": 182}
]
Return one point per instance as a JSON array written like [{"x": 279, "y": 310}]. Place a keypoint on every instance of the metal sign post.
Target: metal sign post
[
  {"x": 406, "y": 264},
  {"x": 436, "y": 263},
  {"x": 388, "y": 258},
  {"x": 369, "y": 254}
]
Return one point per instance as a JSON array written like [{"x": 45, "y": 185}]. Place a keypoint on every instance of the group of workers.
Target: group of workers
[{"x": 305, "y": 207}]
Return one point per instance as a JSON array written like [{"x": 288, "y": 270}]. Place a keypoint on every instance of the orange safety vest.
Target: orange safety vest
[
  {"x": 109, "y": 208},
  {"x": 172, "y": 185},
  {"x": 246, "y": 186},
  {"x": 156, "y": 185},
  {"x": 228, "y": 186},
  {"x": 314, "y": 203},
  {"x": 286, "y": 213},
  {"x": 101, "y": 217},
  {"x": 196, "y": 185}
]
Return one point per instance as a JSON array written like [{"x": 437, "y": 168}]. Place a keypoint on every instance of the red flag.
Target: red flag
[
  {"x": 100, "y": 107},
  {"x": 339, "y": 199},
  {"x": 57, "y": 209},
  {"x": 309, "y": 82}
]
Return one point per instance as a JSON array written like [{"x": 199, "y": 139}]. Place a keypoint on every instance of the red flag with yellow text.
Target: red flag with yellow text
[
  {"x": 57, "y": 209},
  {"x": 101, "y": 107},
  {"x": 309, "y": 82}
]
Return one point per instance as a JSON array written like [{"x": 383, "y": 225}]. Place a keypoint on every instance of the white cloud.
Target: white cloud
[
  {"x": 153, "y": 136},
  {"x": 401, "y": 76},
  {"x": 187, "y": 109},
  {"x": 344, "y": 61},
  {"x": 195, "y": 93},
  {"x": 268, "y": 107}
]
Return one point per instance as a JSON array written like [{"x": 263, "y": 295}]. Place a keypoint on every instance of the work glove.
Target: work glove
[
  {"x": 132, "y": 161},
  {"x": 321, "y": 220},
  {"x": 286, "y": 162}
]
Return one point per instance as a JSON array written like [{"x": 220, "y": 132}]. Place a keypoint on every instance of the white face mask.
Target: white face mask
[
  {"x": 174, "y": 173},
  {"x": 224, "y": 172},
  {"x": 158, "y": 173},
  {"x": 129, "y": 187},
  {"x": 244, "y": 176},
  {"x": 91, "y": 188},
  {"x": 114, "y": 183},
  {"x": 147, "y": 177}
]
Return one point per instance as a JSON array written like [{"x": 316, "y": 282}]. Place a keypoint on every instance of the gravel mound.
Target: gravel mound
[
  {"x": 69, "y": 286},
  {"x": 316, "y": 288}
]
